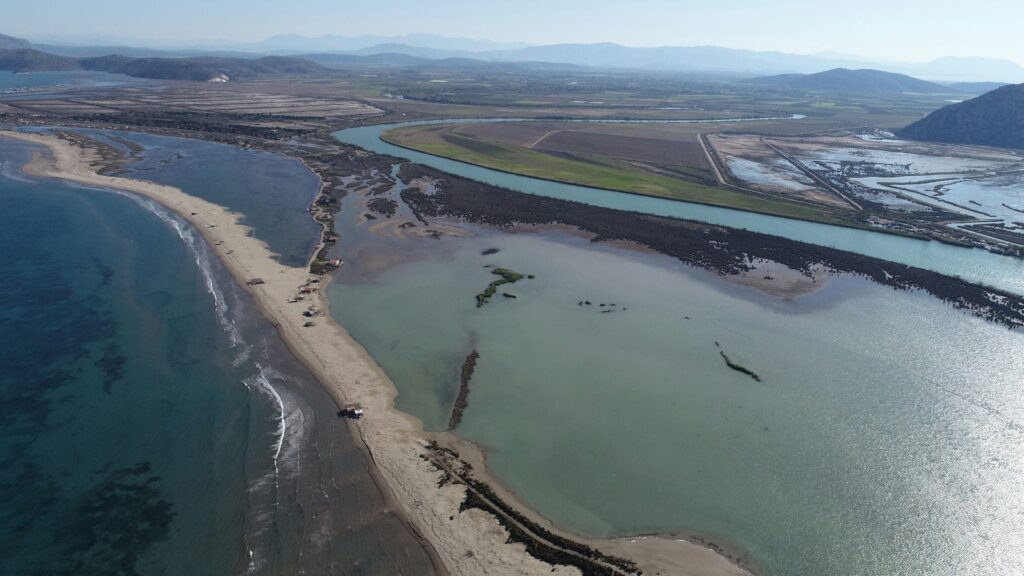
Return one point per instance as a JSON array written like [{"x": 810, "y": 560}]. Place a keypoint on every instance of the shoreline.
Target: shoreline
[{"x": 460, "y": 542}]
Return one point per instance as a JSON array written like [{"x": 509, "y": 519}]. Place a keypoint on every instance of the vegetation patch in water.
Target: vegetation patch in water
[
  {"x": 507, "y": 277},
  {"x": 462, "y": 400},
  {"x": 739, "y": 368},
  {"x": 383, "y": 206}
]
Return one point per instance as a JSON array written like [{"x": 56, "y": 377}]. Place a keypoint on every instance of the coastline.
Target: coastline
[{"x": 468, "y": 542}]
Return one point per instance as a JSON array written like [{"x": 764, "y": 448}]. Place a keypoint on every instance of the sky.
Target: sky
[{"x": 896, "y": 30}]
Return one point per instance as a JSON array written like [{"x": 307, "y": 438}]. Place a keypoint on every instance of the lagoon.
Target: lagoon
[{"x": 883, "y": 438}]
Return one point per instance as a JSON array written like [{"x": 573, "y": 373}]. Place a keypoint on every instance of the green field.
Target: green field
[{"x": 593, "y": 171}]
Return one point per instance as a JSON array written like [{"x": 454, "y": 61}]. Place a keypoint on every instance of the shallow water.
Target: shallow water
[
  {"x": 975, "y": 265},
  {"x": 780, "y": 174},
  {"x": 272, "y": 191},
  {"x": 150, "y": 421},
  {"x": 883, "y": 438},
  {"x": 994, "y": 197}
]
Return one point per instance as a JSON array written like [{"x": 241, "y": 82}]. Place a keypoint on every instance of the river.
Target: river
[{"x": 972, "y": 264}]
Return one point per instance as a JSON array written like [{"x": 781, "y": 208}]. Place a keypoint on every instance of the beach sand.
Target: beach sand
[{"x": 466, "y": 543}]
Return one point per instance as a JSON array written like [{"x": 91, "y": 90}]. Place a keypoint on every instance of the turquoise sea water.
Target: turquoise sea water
[
  {"x": 150, "y": 421},
  {"x": 884, "y": 436}
]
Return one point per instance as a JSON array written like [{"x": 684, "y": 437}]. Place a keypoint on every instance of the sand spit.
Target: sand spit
[{"x": 464, "y": 543}]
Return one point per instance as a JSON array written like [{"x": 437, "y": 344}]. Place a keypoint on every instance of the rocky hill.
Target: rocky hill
[{"x": 992, "y": 119}]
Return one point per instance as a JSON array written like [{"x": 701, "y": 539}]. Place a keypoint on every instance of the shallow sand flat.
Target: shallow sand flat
[{"x": 469, "y": 543}]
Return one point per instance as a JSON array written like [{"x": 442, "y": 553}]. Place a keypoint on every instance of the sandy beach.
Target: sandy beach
[{"x": 466, "y": 543}]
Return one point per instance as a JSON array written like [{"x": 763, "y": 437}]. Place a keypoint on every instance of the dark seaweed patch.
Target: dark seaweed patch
[
  {"x": 112, "y": 363},
  {"x": 114, "y": 523},
  {"x": 718, "y": 249}
]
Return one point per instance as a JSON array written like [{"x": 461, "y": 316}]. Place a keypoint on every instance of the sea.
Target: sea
[{"x": 151, "y": 422}]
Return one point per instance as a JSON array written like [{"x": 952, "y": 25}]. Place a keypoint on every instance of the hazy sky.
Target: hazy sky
[{"x": 889, "y": 29}]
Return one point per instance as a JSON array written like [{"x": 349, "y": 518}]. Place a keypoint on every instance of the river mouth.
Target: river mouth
[{"x": 605, "y": 398}]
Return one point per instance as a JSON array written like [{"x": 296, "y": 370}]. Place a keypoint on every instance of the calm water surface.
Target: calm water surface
[{"x": 885, "y": 436}]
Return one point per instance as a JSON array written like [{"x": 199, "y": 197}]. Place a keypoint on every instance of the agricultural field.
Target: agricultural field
[
  {"x": 626, "y": 95},
  {"x": 270, "y": 105},
  {"x": 671, "y": 165},
  {"x": 748, "y": 161},
  {"x": 856, "y": 178}
]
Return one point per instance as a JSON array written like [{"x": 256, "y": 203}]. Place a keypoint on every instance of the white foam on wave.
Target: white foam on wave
[
  {"x": 204, "y": 262},
  {"x": 266, "y": 387},
  {"x": 288, "y": 414},
  {"x": 289, "y": 433},
  {"x": 12, "y": 174},
  {"x": 285, "y": 447},
  {"x": 290, "y": 420}
]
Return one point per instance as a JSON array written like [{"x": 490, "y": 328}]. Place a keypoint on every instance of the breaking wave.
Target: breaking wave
[{"x": 286, "y": 415}]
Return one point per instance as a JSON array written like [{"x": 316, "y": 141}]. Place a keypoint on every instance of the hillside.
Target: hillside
[
  {"x": 993, "y": 119},
  {"x": 845, "y": 81},
  {"x": 200, "y": 69},
  {"x": 30, "y": 60},
  {"x": 12, "y": 43}
]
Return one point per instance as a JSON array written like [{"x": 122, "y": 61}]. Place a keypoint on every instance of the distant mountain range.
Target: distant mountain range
[
  {"x": 992, "y": 119},
  {"x": 843, "y": 80},
  {"x": 224, "y": 68},
  {"x": 693, "y": 59},
  {"x": 398, "y": 60},
  {"x": 200, "y": 68},
  {"x": 335, "y": 43},
  {"x": 715, "y": 59}
]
